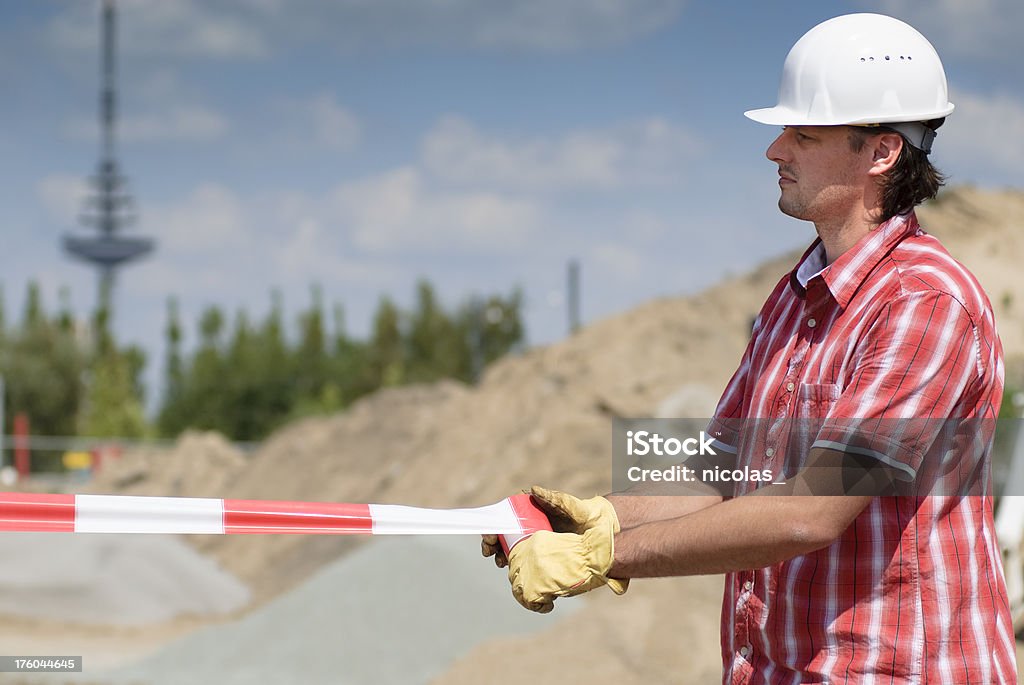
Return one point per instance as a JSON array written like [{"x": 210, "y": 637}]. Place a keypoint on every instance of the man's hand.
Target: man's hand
[
  {"x": 491, "y": 547},
  {"x": 567, "y": 514},
  {"x": 570, "y": 514},
  {"x": 547, "y": 565}
]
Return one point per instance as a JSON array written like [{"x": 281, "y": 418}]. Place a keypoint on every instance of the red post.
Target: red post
[
  {"x": 21, "y": 451},
  {"x": 103, "y": 453}
]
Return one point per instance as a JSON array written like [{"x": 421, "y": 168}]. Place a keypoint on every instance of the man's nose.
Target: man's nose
[{"x": 778, "y": 150}]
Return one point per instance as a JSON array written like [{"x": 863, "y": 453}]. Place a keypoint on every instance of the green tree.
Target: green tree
[
  {"x": 65, "y": 318},
  {"x": 244, "y": 407},
  {"x": 350, "y": 365},
  {"x": 386, "y": 357},
  {"x": 249, "y": 382},
  {"x": 272, "y": 371},
  {"x": 169, "y": 419},
  {"x": 113, "y": 404},
  {"x": 310, "y": 360},
  {"x": 42, "y": 367},
  {"x": 42, "y": 364},
  {"x": 502, "y": 328},
  {"x": 436, "y": 347},
  {"x": 200, "y": 400}
]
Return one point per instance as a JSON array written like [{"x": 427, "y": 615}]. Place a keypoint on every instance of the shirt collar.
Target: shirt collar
[{"x": 845, "y": 275}]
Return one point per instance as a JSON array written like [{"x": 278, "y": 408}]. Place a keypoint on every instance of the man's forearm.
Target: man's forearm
[
  {"x": 742, "y": 533},
  {"x": 633, "y": 510},
  {"x": 657, "y": 501}
]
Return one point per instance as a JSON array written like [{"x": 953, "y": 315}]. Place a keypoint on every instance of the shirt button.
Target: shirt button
[
  {"x": 770, "y": 452},
  {"x": 811, "y": 323},
  {"x": 744, "y": 650},
  {"x": 789, "y": 387},
  {"x": 748, "y": 586}
]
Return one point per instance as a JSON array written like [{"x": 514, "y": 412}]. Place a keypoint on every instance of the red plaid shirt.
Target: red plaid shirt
[{"x": 913, "y": 590}]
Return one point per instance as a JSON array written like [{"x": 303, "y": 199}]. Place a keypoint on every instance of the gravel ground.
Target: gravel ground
[
  {"x": 111, "y": 580},
  {"x": 397, "y": 610}
]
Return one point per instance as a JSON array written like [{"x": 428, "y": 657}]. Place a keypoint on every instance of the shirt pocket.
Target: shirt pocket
[{"x": 815, "y": 400}]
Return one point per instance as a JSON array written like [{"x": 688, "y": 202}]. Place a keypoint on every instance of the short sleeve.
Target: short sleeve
[{"x": 913, "y": 374}]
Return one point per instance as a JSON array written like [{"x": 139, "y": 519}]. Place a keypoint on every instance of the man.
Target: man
[{"x": 876, "y": 326}]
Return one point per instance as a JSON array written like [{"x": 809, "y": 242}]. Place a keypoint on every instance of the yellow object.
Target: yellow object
[
  {"x": 569, "y": 514},
  {"x": 77, "y": 460},
  {"x": 547, "y": 565}
]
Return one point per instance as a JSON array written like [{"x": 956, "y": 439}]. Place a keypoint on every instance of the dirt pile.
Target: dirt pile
[
  {"x": 663, "y": 631},
  {"x": 985, "y": 231},
  {"x": 200, "y": 464}
]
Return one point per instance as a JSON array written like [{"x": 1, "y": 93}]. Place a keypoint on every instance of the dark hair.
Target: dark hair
[{"x": 911, "y": 181}]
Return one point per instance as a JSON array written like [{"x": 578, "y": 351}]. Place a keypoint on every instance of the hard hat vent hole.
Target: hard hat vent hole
[{"x": 887, "y": 58}]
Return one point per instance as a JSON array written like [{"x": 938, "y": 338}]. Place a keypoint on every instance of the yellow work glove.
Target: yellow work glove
[
  {"x": 567, "y": 514},
  {"x": 547, "y": 565},
  {"x": 570, "y": 514}
]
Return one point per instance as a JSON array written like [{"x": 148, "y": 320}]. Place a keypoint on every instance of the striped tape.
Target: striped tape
[{"x": 515, "y": 517}]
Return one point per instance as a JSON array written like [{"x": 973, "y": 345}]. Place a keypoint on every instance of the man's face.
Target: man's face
[{"x": 820, "y": 176}]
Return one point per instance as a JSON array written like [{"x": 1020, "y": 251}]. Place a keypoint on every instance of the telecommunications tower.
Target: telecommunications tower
[{"x": 108, "y": 209}]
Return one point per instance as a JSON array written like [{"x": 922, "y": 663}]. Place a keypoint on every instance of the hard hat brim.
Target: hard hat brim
[
  {"x": 784, "y": 116},
  {"x": 777, "y": 116}
]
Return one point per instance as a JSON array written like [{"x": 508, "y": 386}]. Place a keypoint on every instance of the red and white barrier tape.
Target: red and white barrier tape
[{"x": 513, "y": 518}]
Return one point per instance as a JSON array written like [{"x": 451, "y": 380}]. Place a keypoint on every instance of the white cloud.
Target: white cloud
[
  {"x": 174, "y": 123},
  {"x": 322, "y": 121},
  {"x": 984, "y": 133},
  {"x": 398, "y": 212},
  {"x": 486, "y": 25},
  {"x": 157, "y": 28},
  {"x": 177, "y": 123},
  {"x": 646, "y": 152},
  {"x": 643, "y": 225},
  {"x": 162, "y": 86},
  {"x": 977, "y": 28},
  {"x": 311, "y": 254},
  {"x": 231, "y": 29},
  {"x": 562, "y": 25},
  {"x": 211, "y": 217},
  {"x": 363, "y": 232},
  {"x": 621, "y": 262},
  {"x": 61, "y": 196}
]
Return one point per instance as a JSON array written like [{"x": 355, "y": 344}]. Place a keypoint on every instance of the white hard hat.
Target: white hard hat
[{"x": 862, "y": 69}]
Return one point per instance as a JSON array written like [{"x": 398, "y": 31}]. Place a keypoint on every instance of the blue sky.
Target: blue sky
[{"x": 479, "y": 144}]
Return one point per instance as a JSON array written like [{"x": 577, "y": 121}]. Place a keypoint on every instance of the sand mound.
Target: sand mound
[
  {"x": 985, "y": 231},
  {"x": 200, "y": 464}
]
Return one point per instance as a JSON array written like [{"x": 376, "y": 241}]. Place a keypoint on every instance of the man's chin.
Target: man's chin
[{"x": 788, "y": 209}]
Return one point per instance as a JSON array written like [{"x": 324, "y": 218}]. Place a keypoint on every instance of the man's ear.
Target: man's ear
[{"x": 885, "y": 151}]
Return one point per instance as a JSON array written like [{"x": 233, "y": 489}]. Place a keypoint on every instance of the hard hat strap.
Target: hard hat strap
[{"x": 914, "y": 132}]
